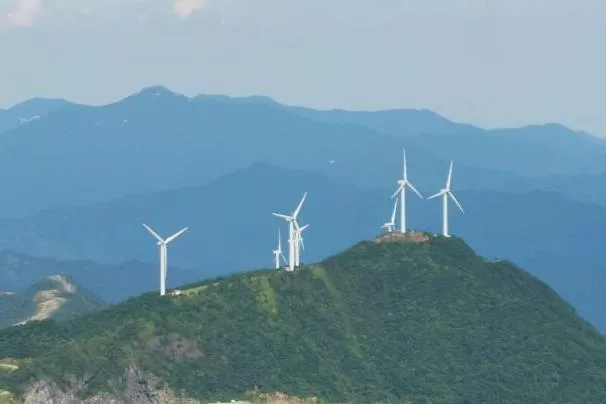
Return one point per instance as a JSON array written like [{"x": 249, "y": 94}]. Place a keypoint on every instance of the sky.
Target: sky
[{"x": 493, "y": 63}]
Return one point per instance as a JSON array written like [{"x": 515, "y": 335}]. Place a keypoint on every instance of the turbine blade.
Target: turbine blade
[
  {"x": 414, "y": 189},
  {"x": 285, "y": 217},
  {"x": 303, "y": 228},
  {"x": 177, "y": 234},
  {"x": 436, "y": 195},
  {"x": 455, "y": 201},
  {"x": 405, "y": 170},
  {"x": 449, "y": 179},
  {"x": 397, "y": 191},
  {"x": 393, "y": 214},
  {"x": 302, "y": 243},
  {"x": 153, "y": 233},
  {"x": 296, "y": 212}
]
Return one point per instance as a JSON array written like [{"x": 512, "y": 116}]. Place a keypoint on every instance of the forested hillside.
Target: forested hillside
[{"x": 428, "y": 321}]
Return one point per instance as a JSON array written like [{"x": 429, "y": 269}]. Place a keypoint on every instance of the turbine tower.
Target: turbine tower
[
  {"x": 299, "y": 241},
  {"x": 162, "y": 244},
  {"x": 391, "y": 225},
  {"x": 402, "y": 184},
  {"x": 278, "y": 252},
  {"x": 292, "y": 222},
  {"x": 445, "y": 193}
]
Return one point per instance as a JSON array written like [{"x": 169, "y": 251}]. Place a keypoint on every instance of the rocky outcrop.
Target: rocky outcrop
[{"x": 139, "y": 388}]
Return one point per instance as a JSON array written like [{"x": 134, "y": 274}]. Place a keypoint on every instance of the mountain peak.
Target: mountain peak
[
  {"x": 157, "y": 91},
  {"x": 154, "y": 93},
  {"x": 39, "y": 105},
  {"x": 60, "y": 283}
]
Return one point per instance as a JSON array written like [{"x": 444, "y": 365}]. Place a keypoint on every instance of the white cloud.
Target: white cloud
[
  {"x": 185, "y": 8},
  {"x": 24, "y": 13}
]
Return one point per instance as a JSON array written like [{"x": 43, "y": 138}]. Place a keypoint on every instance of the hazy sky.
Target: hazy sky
[{"x": 490, "y": 62}]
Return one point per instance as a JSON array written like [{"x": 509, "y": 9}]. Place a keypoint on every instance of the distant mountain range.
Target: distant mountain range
[
  {"x": 158, "y": 140},
  {"x": 232, "y": 229},
  {"x": 388, "y": 320},
  {"x": 54, "y": 297}
]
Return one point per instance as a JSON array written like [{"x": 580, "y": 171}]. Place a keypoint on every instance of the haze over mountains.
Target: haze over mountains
[
  {"x": 531, "y": 194},
  {"x": 156, "y": 140}
]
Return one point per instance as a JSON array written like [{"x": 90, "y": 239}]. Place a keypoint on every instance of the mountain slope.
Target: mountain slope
[
  {"x": 555, "y": 238},
  {"x": 57, "y": 297},
  {"x": 427, "y": 322}
]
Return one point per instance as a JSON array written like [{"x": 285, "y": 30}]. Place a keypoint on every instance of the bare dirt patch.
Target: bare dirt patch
[
  {"x": 397, "y": 237},
  {"x": 281, "y": 398}
]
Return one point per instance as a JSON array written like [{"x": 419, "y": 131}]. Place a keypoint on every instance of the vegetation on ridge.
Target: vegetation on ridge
[{"x": 428, "y": 322}]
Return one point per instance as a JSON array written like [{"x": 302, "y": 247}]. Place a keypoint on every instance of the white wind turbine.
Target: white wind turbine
[
  {"x": 402, "y": 184},
  {"x": 299, "y": 242},
  {"x": 278, "y": 252},
  {"x": 445, "y": 193},
  {"x": 292, "y": 222},
  {"x": 162, "y": 244},
  {"x": 391, "y": 225}
]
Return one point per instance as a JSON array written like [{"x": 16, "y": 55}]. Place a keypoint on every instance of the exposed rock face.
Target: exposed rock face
[{"x": 140, "y": 388}]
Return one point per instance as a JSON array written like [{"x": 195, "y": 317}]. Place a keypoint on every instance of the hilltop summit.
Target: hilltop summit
[
  {"x": 57, "y": 297},
  {"x": 428, "y": 322}
]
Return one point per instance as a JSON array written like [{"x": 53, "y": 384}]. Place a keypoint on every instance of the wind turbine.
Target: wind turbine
[
  {"x": 292, "y": 234},
  {"x": 391, "y": 225},
  {"x": 299, "y": 238},
  {"x": 445, "y": 193},
  {"x": 402, "y": 184},
  {"x": 278, "y": 252},
  {"x": 162, "y": 244}
]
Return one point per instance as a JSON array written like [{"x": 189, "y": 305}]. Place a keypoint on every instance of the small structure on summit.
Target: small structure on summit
[{"x": 408, "y": 237}]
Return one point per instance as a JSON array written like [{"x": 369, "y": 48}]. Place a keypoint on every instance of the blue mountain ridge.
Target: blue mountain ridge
[{"x": 158, "y": 140}]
